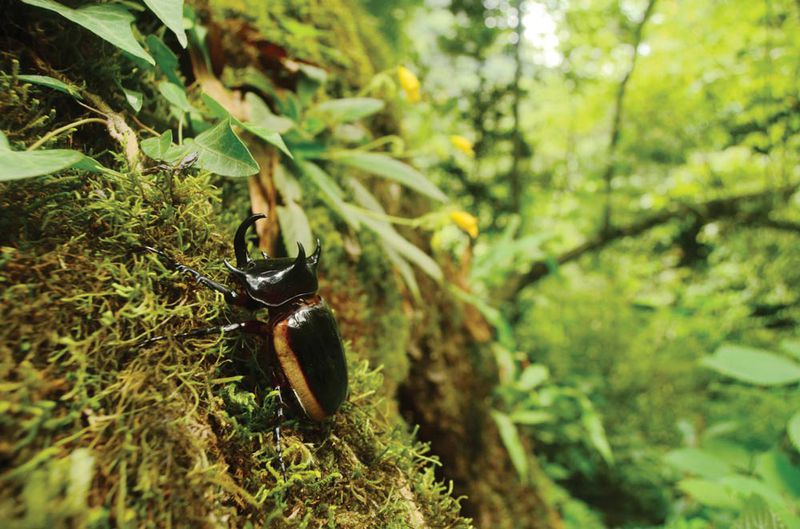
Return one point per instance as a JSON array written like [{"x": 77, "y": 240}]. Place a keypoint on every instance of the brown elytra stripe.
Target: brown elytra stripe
[{"x": 294, "y": 373}]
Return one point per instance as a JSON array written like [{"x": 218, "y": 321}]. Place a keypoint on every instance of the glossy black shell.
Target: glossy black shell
[{"x": 310, "y": 352}]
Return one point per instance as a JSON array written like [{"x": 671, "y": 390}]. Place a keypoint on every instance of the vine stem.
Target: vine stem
[{"x": 53, "y": 133}]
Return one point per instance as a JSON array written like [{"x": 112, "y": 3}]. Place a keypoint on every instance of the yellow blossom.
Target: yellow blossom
[
  {"x": 410, "y": 83},
  {"x": 463, "y": 144},
  {"x": 466, "y": 222}
]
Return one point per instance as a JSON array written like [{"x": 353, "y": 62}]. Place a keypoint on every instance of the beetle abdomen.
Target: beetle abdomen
[{"x": 310, "y": 352}]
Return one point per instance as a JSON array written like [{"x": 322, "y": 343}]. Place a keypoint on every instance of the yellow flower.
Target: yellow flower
[
  {"x": 463, "y": 144},
  {"x": 466, "y": 222},
  {"x": 410, "y": 83}
]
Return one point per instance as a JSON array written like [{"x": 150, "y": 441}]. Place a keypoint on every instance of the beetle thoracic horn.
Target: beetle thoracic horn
[
  {"x": 300, "y": 262},
  {"x": 239, "y": 244},
  {"x": 314, "y": 259}
]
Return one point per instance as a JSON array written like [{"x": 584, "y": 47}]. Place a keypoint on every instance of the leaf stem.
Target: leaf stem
[{"x": 53, "y": 133}]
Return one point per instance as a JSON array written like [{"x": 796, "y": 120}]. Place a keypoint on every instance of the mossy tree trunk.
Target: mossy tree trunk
[{"x": 97, "y": 432}]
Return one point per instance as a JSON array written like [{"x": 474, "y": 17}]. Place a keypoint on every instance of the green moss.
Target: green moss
[{"x": 176, "y": 432}]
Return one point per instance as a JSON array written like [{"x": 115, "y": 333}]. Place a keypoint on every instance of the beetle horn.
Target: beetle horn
[
  {"x": 314, "y": 259},
  {"x": 300, "y": 261},
  {"x": 239, "y": 244}
]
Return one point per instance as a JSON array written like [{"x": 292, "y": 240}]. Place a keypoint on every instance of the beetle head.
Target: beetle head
[{"x": 273, "y": 282}]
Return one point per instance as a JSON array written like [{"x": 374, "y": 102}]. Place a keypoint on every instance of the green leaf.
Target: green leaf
[
  {"x": 262, "y": 116},
  {"x": 170, "y": 12},
  {"x": 788, "y": 346},
  {"x": 753, "y": 366},
  {"x": 161, "y": 148},
  {"x": 532, "y": 376},
  {"x": 269, "y": 136},
  {"x": 510, "y": 437},
  {"x": 778, "y": 472},
  {"x": 165, "y": 59},
  {"x": 15, "y": 165},
  {"x": 594, "y": 427},
  {"x": 531, "y": 417},
  {"x": 698, "y": 462},
  {"x": 793, "y": 429},
  {"x": 745, "y": 486},
  {"x": 389, "y": 235},
  {"x": 757, "y": 515},
  {"x": 295, "y": 227},
  {"x": 332, "y": 194},
  {"x": 49, "y": 82},
  {"x": 222, "y": 152},
  {"x": 387, "y": 167},
  {"x": 708, "y": 493},
  {"x": 405, "y": 270},
  {"x": 346, "y": 110},
  {"x": 110, "y": 22},
  {"x": 176, "y": 96},
  {"x": 134, "y": 98}
]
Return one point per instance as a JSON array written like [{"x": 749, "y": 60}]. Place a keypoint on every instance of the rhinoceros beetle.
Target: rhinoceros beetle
[{"x": 304, "y": 347}]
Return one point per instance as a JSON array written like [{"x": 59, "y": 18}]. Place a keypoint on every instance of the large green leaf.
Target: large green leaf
[
  {"x": 510, "y": 437},
  {"x": 15, "y": 165},
  {"x": 387, "y": 167},
  {"x": 110, "y": 22},
  {"x": 708, "y": 493},
  {"x": 754, "y": 366},
  {"x": 222, "y": 152},
  {"x": 698, "y": 462},
  {"x": 346, "y": 110},
  {"x": 171, "y": 14}
]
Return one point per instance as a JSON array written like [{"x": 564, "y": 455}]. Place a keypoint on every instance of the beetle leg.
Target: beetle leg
[
  {"x": 277, "y": 431},
  {"x": 231, "y": 297},
  {"x": 253, "y": 326}
]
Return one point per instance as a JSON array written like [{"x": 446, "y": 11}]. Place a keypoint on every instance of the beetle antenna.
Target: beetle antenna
[{"x": 240, "y": 245}]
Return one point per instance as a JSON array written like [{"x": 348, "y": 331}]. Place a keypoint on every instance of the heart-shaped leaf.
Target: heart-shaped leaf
[
  {"x": 110, "y": 22},
  {"x": 222, "y": 152},
  {"x": 170, "y": 12}
]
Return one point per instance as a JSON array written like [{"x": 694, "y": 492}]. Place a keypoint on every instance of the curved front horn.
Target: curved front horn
[{"x": 239, "y": 244}]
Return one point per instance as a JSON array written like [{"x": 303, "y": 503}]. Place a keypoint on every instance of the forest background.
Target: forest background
[{"x": 560, "y": 239}]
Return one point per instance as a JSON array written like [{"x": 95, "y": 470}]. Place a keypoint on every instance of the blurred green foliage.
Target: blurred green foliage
[{"x": 708, "y": 112}]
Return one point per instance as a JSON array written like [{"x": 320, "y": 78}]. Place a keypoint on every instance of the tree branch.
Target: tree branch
[
  {"x": 753, "y": 208},
  {"x": 611, "y": 157}
]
